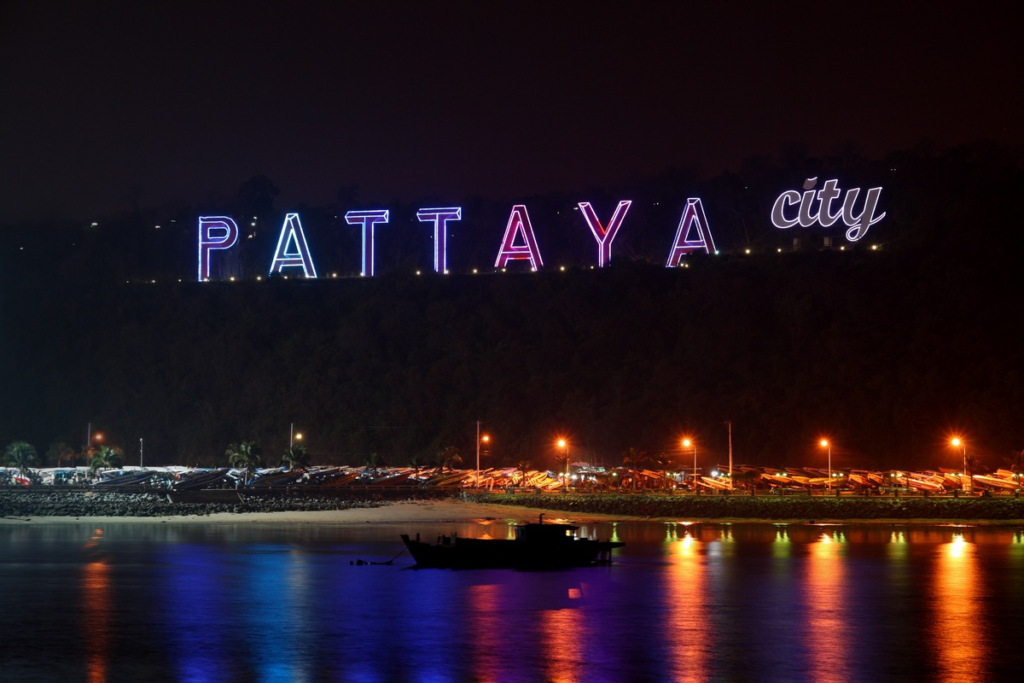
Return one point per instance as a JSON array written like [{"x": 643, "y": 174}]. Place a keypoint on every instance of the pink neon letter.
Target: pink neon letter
[
  {"x": 604, "y": 236},
  {"x": 367, "y": 219},
  {"x": 693, "y": 215},
  {"x": 440, "y": 218},
  {"x": 215, "y": 233},
  {"x": 519, "y": 222},
  {"x": 291, "y": 231}
]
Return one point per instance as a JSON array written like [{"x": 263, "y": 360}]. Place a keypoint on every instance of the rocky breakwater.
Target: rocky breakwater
[
  {"x": 56, "y": 503},
  {"x": 1003, "y": 508}
]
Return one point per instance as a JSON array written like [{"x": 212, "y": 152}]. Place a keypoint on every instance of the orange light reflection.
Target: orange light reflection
[
  {"x": 959, "y": 630},
  {"x": 689, "y": 653},
  {"x": 485, "y": 621},
  {"x": 564, "y": 634},
  {"x": 827, "y": 627},
  {"x": 96, "y": 596}
]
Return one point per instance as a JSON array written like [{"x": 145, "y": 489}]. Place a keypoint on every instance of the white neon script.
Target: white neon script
[
  {"x": 816, "y": 207},
  {"x": 285, "y": 256},
  {"x": 604, "y": 236}
]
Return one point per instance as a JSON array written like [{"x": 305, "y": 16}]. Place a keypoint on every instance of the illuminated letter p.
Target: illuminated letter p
[{"x": 215, "y": 233}]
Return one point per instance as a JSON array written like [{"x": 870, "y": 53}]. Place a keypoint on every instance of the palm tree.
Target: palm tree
[
  {"x": 524, "y": 467},
  {"x": 562, "y": 462},
  {"x": 447, "y": 457},
  {"x": 1014, "y": 462},
  {"x": 104, "y": 457},
  {"x": 245, "y": 455},
  {"x": 22, "y": 455},
  {"x": 416, "y": 461},
  {"x": 971, "y": 462},
  {"x": 635, "y": 458},
  {"x": 59, "y": 452},
  {"x": 296, "y": 457},
  {"x": 374, "y": 460}
]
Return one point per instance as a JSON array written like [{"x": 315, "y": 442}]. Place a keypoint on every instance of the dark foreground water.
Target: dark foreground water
[{"x": 742, "y": 602}]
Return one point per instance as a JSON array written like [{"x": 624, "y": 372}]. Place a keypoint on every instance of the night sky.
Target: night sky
[{"x": 101, "y": 103}]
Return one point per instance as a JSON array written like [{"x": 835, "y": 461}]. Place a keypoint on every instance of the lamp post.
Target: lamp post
[
  {"x": 824, "y": 443},
  {"x": 729, "y": 424},
  {"x": 293, "y": 436},
  {"x": 957, "y": 442},
  {"x": 564, "y": 445},
  {"x": 478, "y": 452},
  {"x": 687, "y": 443}
]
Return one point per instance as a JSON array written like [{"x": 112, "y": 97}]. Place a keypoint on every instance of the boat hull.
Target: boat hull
[{"x": 473, "y": 553}]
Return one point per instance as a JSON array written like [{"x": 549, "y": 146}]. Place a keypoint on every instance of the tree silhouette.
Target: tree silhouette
[
  {"x": 448, "y": 457},
  {"x": 635, "y": 457},
  {"x": 21, "y": 455},
  {"x": 105, "y": 457},
  {"x": 244, "y": 455},
  {"x": 296, "y": 457}
]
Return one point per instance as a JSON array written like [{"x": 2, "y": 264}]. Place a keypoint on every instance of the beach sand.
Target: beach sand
[{"x": 413, "y": 512}]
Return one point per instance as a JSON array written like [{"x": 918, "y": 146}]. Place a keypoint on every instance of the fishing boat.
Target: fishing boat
[{"x": 535, "y": 546}]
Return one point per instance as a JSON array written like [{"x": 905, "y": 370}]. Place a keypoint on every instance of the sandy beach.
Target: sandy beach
[{"x": 413, "y": 512}]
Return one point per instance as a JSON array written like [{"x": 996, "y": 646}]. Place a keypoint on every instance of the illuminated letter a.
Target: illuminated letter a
[
  {"x": 284, "y": 256},
  {"x": 693, "y": 217},
  {"x": 519, "y": 223}
]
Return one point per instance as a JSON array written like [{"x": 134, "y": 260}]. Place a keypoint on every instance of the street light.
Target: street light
[
  {"x": 486, "y": 440},
  {"x": 824, "y": 443},
  {"x": 957, "y": 442},
  {"x": 293, "y": 436},
  {"x": 564, "y": 445},
  {"x": 687, "y": 443}
]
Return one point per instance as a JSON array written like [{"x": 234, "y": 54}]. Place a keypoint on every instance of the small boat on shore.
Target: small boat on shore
[{"x": 535, "y": 546}]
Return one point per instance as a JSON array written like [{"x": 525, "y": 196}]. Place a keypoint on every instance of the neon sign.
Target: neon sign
[
  {"x": 693, "y": 218},
  {"x": 440, "y": 218},
  {"x": 519, "y": 243},
  {"x": 284, "y": 256},
  {"x": 519, "y": 224},
  {"x": 368, "y": 219},
  {"x": 603, "y": 235},
  {"x": 809, "y": 213},
  {"x": 216, "y": 233}
]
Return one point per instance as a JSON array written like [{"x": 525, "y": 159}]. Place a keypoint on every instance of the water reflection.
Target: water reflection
[
  {"x": 484, "y": 621},
  {"x": 682, "y": 602},
  {"x": 97, "y": 610},
  {"x": 959, "y": 630},
  {"x": 563, "y": 632},
  {"x": 827, "y": 625},
  {"x": 688, "y": 647}
]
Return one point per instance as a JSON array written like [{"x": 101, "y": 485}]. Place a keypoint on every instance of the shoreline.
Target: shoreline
[{"x": 458, "y": 511}]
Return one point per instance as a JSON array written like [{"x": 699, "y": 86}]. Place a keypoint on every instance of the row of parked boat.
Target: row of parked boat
[
  {"x": 926, "y": 481},
  {"x": 580, "y": 477}
]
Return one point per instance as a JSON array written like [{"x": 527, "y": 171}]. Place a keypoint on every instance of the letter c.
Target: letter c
[{"x": 779, "y": 220}]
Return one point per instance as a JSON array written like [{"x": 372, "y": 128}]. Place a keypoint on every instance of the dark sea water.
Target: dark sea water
[{"x": 703, "y": 602}]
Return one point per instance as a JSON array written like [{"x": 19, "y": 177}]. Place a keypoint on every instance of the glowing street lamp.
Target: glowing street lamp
[
  {"x": 564, "y": 445},
  {"x": 957, "y": 442},
  {"x": 293, "y": 436},
  {"x": 485, "y": 439},
  {"x": 688, "y": 443},
  {"x": 824, "y": 443}
]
